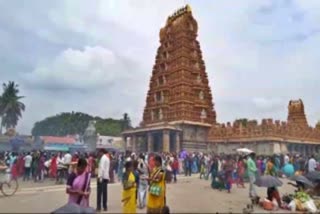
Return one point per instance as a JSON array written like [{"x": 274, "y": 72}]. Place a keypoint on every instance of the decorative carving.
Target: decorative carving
[{"x": 180, "y": 75}]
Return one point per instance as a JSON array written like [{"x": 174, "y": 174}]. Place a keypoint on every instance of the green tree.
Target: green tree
[
  {"x": 11, "y": 107},
  {"x": 75, "y": 123}
]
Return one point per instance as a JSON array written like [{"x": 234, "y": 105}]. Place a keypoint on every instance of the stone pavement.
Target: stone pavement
[{"x": 189, "y": 195}]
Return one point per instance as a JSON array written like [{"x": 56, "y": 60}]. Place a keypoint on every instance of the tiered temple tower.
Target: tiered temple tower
[
  {"x": 179, "y": 89},
  {"x": 179, "y": 110},
  {"x": 296, "y": 115}
]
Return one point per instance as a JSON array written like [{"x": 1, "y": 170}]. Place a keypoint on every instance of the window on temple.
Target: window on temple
[
  {"x": 158, "y": 96},
  {"x": 197, "y": 65},
  {"x": 152, "y": 115},
  {"x": 160, "y": 114},
  {"x": 201, "y": 95},
  {"x": 164, "y": 67},
  {"x": 161, "y": 80},
  {"x": 199, "y": 79}
]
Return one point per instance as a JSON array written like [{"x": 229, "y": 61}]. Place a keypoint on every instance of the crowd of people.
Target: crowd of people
[{"x": 144, "y": 176}]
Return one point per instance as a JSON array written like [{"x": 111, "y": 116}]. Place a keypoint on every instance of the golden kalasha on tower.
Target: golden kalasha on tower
[{"x": 179, "y": 111}]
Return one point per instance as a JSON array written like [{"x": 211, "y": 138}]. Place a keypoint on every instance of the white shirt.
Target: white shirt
[
  {"x": 67, "y": 158},
  {"x": 27, "y": 161},
  {"x": 104, "y": 166},
  {"x": 286, "y": 159},
  {"x": 312, "y": 165}
]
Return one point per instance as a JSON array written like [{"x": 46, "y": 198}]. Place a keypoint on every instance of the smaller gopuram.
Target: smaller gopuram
[
  {"x": 179, "y": 111},
  {"x": 296, "y": 115}
]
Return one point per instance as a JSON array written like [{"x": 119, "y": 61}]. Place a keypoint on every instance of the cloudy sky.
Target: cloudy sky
[{"x": 96, "y": 56}]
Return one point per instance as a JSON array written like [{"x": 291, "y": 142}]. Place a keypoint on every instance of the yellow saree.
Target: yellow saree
[
  {"x": 129, "y": 196},
  {"x": 155, "y": 204}
]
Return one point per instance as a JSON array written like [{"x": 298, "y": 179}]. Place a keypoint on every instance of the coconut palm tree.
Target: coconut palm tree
[{"x": 11, "y": 107}]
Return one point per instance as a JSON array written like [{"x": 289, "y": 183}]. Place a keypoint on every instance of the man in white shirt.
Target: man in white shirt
[
  {"x": 286, "y": 159},
  {"x": 67, "y": 158},
  {"x": 312, "y": 164},
  {"x": 27, "y": 166},
  {"x": 103, "y": 179}
]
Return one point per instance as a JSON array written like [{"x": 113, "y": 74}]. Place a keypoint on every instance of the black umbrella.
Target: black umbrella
[
  {"x": 73, "y": 208},
  {"x": 302, "y": 179},
  {"x": 313, "y": 176},
  {"x": 268, "y": 181}
]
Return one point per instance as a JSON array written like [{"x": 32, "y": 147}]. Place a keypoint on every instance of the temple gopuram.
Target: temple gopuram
[{"x": 179, "y": 111}]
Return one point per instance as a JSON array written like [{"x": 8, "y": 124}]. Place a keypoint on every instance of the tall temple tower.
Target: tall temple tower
[
  {"x": 296, "y": 114},
  {"x": 179, "y": 110},
  {"x": 179, "y": 89}
]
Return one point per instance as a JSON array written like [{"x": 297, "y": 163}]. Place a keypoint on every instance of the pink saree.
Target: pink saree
[{"x": 78, "y": 184}]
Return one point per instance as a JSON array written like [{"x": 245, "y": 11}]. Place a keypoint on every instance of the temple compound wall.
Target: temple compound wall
[{"x": 268, "y": 137}]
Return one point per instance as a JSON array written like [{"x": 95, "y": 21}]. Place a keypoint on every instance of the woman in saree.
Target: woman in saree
[
  {"x": 270, "y": 168},
  {"x": 129, "y": 189},
  {"x": 78, "y": 185},
  {"x": 157, "y": 190},
  {"x": 240, "y": 172},
  {"x": 53, "y": 167}
]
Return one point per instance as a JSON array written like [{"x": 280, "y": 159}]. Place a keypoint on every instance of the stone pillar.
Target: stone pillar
[
  {"x": 304, "y": 149},
  {"x": 313, "y": 149},
  {"x": 134, "y": 143},
  {"x": 166, "y": 141},
  {"x": 124, "y": 138},
  {"x": 150, "y": 141},
  {"x": 178, "y": 148}
]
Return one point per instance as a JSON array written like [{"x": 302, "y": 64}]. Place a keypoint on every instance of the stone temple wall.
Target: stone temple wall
[{"x": 267, "y": 128}]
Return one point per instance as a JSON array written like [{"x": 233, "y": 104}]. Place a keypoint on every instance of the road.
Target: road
[{"x": 189, "y": 195}]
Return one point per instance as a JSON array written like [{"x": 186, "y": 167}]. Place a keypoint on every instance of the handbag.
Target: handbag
[{"x": 155, "y": 189}]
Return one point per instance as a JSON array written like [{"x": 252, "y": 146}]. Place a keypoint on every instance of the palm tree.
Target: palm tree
[{"x": 11, "y": 107}]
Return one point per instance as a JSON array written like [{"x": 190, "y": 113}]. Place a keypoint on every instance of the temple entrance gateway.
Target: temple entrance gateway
[{"x": 153, "y": 139}]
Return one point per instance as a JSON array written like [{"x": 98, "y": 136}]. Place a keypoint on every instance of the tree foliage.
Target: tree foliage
[
  {"x": 76, "y": 123},
  {"x": 11, "y": 107}
]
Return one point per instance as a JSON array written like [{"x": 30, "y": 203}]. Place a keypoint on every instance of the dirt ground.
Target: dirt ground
[{"x": 189, "y": 195}]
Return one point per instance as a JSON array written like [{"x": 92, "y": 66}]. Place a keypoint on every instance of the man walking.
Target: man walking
[
  {"x": 27, "y": 166},
  {"x": 312, "y": 164},
  {"x": 103, "y": 179},
  {"x": 252, "y": 171}
]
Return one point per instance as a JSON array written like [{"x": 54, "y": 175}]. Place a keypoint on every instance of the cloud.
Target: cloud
[
  {"x": 259, "y": 54},
  {"x": 92, "y": 67},
  {"x": 268, "y": 104}
]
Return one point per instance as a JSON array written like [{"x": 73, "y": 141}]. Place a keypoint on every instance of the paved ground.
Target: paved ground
[{"x": 190, "y": 195}]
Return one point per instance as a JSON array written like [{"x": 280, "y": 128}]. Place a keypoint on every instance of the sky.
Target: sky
[{"x": 97, "y": 56}]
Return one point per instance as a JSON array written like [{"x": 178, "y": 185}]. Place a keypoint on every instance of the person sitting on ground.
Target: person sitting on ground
[{"x": 273, "y": 193}]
